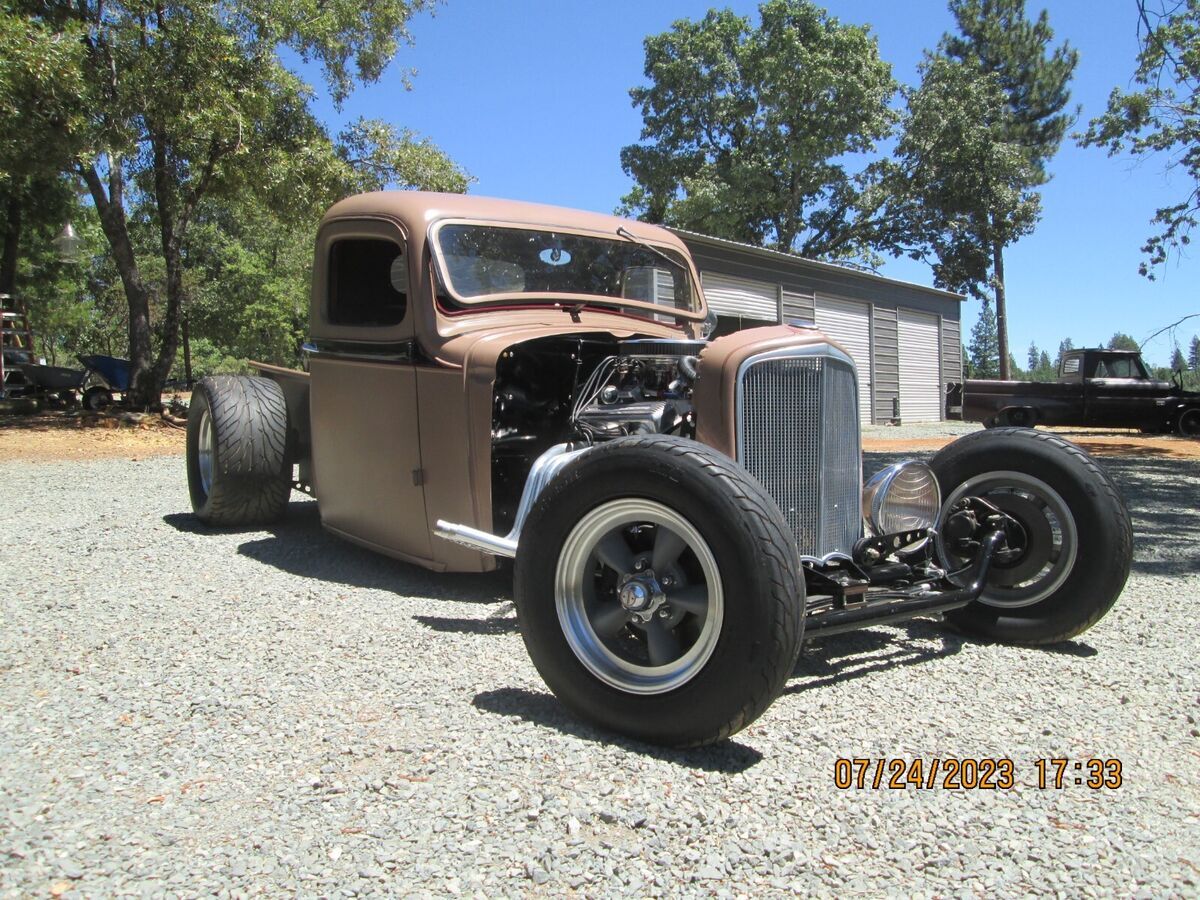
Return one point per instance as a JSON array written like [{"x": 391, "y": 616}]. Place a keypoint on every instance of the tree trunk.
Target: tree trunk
[
  {"x": 111, "y": 208},
  {"x": 12, "y": 240},
  {"x": 171, "y": 240},
  {"x": 186, "y": 336},
  {"x": 1001, "y": 310}
]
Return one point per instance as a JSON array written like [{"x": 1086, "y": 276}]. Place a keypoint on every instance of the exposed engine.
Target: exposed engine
[
  {"x": 646, "y": 388},
  {"x": 586, "y": 389}
]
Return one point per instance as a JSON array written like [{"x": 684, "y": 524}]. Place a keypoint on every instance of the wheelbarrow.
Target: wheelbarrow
[
  {"x": 53, "y": 381},
  {"x": 112, "y": 375}
]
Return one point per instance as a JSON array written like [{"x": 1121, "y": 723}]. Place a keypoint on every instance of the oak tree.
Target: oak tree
[{"x": 747, "y": 129}]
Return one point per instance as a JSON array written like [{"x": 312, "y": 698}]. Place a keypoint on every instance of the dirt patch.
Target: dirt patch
[
  {"x": 51, "y": 436},
  {"x": 1098, "y": 443},
  {"x": 75, "y": 435}
]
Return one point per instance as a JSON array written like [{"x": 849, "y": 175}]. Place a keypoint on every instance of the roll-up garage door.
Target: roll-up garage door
[
  {"x": 849, "y": 324},
  {"x": 920, "y": 367},
  {"x": 731, "y": 296}
]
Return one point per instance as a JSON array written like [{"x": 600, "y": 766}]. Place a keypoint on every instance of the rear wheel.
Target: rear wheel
[
  {"x": 658, "y": 591},
  {"x": 1188, "y": 423},
  {"x": 1074, "y": 534},
  {"x": 238, "y": 472}
]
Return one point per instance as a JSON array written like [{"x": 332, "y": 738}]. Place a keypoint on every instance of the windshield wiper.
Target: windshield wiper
[{"x": 628, "y": 235}]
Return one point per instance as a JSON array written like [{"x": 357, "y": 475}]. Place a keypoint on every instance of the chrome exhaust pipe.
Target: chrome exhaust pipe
[
  {"x": 544, "y": 468},
  {"x": 476, "y": 539}
]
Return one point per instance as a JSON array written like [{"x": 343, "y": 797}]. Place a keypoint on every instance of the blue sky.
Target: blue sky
[{"x": 531, "y": 97}]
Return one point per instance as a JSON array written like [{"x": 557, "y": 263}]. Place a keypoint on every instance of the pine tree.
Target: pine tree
[
  {"x": 1033, "y": 357},
  {"x": 996, "y": 35},
  {"x": 1194, "y": 354},
  {"x": 1065, "y": 345},
  {"x": 985, "y": 347},
  {"x": 1122, "y": 341},
  {"x": 1045, "y": 367},
  {"x": 968, "y": 372},
  {"x": 1178, "y": 363}
]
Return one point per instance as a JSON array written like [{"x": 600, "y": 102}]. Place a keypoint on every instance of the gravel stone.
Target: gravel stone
[{"x": 187, "y": 711}]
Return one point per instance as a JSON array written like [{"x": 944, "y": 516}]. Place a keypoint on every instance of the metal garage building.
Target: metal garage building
[{"x": 905, "y": 339}]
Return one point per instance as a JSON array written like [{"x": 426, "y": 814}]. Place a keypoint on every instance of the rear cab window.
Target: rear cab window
[{"x": 368, "y": 282}]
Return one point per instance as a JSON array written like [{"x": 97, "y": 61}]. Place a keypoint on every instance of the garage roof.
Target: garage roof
[{"x": 801, "y": 262}]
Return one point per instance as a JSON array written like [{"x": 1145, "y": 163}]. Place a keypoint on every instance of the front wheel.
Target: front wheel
[
  {"x": 1074, "y": 537},
  {"x": 658, "y": 591}
]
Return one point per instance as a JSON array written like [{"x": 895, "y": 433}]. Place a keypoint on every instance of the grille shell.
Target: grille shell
[{"x": 798, "y": 434}]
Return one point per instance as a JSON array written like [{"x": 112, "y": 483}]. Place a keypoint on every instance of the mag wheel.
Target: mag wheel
[
  {"x": 658, "y": 591},
  {"x": 1074, "y": 538}
]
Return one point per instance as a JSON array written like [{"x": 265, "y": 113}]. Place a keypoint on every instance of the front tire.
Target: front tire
[
  {"x": 1075, "y": 527},
  {"x": 238, "y": 472},
  {"x": 658, "y": 591}
]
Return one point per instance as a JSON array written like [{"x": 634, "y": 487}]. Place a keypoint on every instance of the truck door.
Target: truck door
[
  {"x": 365, "y": 430},
  {"x": 1118, "y": 392}
]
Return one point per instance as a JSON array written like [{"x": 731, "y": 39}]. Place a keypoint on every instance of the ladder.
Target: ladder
[{"x": 16, "y": 345}]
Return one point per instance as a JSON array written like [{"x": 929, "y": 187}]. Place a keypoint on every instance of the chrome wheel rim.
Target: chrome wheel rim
[
  {"x": 204, "y": 451},
  {"x": 639, "y": 596},
  {"x": 1025, "y": 498}
]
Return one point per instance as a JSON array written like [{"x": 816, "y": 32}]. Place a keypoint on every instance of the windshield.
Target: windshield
[{"x": 481, "y": 263}]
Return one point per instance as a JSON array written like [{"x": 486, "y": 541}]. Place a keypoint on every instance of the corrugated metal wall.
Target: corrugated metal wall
[
  {"x": 887, "y": 363},
  {"x": 799, "y": 307},
  {"x": 795, "y": 283},
  {"x": 920, "y": 341},
  {"x": 849, "y": 323},
  {"x": 951, "y": 351},
  {"x": 731, "y": 295}
]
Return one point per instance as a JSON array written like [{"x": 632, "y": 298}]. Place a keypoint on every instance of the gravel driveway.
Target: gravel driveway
[{"x": 186, "y": 712}]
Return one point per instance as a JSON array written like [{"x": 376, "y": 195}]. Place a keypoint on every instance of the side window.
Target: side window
[{"x": 368, "y": 282}]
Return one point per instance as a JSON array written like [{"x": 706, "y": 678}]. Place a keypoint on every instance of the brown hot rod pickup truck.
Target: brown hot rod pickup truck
[
  {"x": 1095, "y": 387},
  {"x": 491, "y": 379}
]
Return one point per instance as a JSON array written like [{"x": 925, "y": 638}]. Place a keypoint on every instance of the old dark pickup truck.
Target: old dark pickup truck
[{"x": 1095, "y": 387}]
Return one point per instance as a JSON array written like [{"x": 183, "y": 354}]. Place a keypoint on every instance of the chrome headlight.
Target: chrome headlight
[{"x": 902, "y": 497}]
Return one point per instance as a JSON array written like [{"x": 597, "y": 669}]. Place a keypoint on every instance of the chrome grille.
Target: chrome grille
[{"x": 798, "y": 435}]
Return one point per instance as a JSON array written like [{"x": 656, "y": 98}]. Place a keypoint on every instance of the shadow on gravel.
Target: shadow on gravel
[
  {"x": 297, "y": 544},
  {"x": 728, "y": 756},
  {"x": 490, "y": 626},
  {"x": 858, "y": 654}
]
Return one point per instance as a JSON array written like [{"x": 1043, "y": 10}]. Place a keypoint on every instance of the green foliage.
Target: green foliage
[
  {"x": 1160, "y": 117},
  {"x": 172, "y": 112},
  {"x": 1194, "y": 354},
  {"x": 976, "y": 137},
  {"x": 1064, "y": 345},
  {"x": 958, "y": 187},
  {"x": 1178, "y": 362},
  {"x": 984, "y": 349},
  {"x": 1122, "y": 341},
  {"x": 996, "y": 37},
  {"x": 746, "y": 129}
]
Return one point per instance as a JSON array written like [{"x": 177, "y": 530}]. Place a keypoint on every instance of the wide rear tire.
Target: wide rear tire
[
  {"x": 688, "y": 528},
  {"x": 238, "y": 471},
  {"x": 1077, "y": 529}
]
